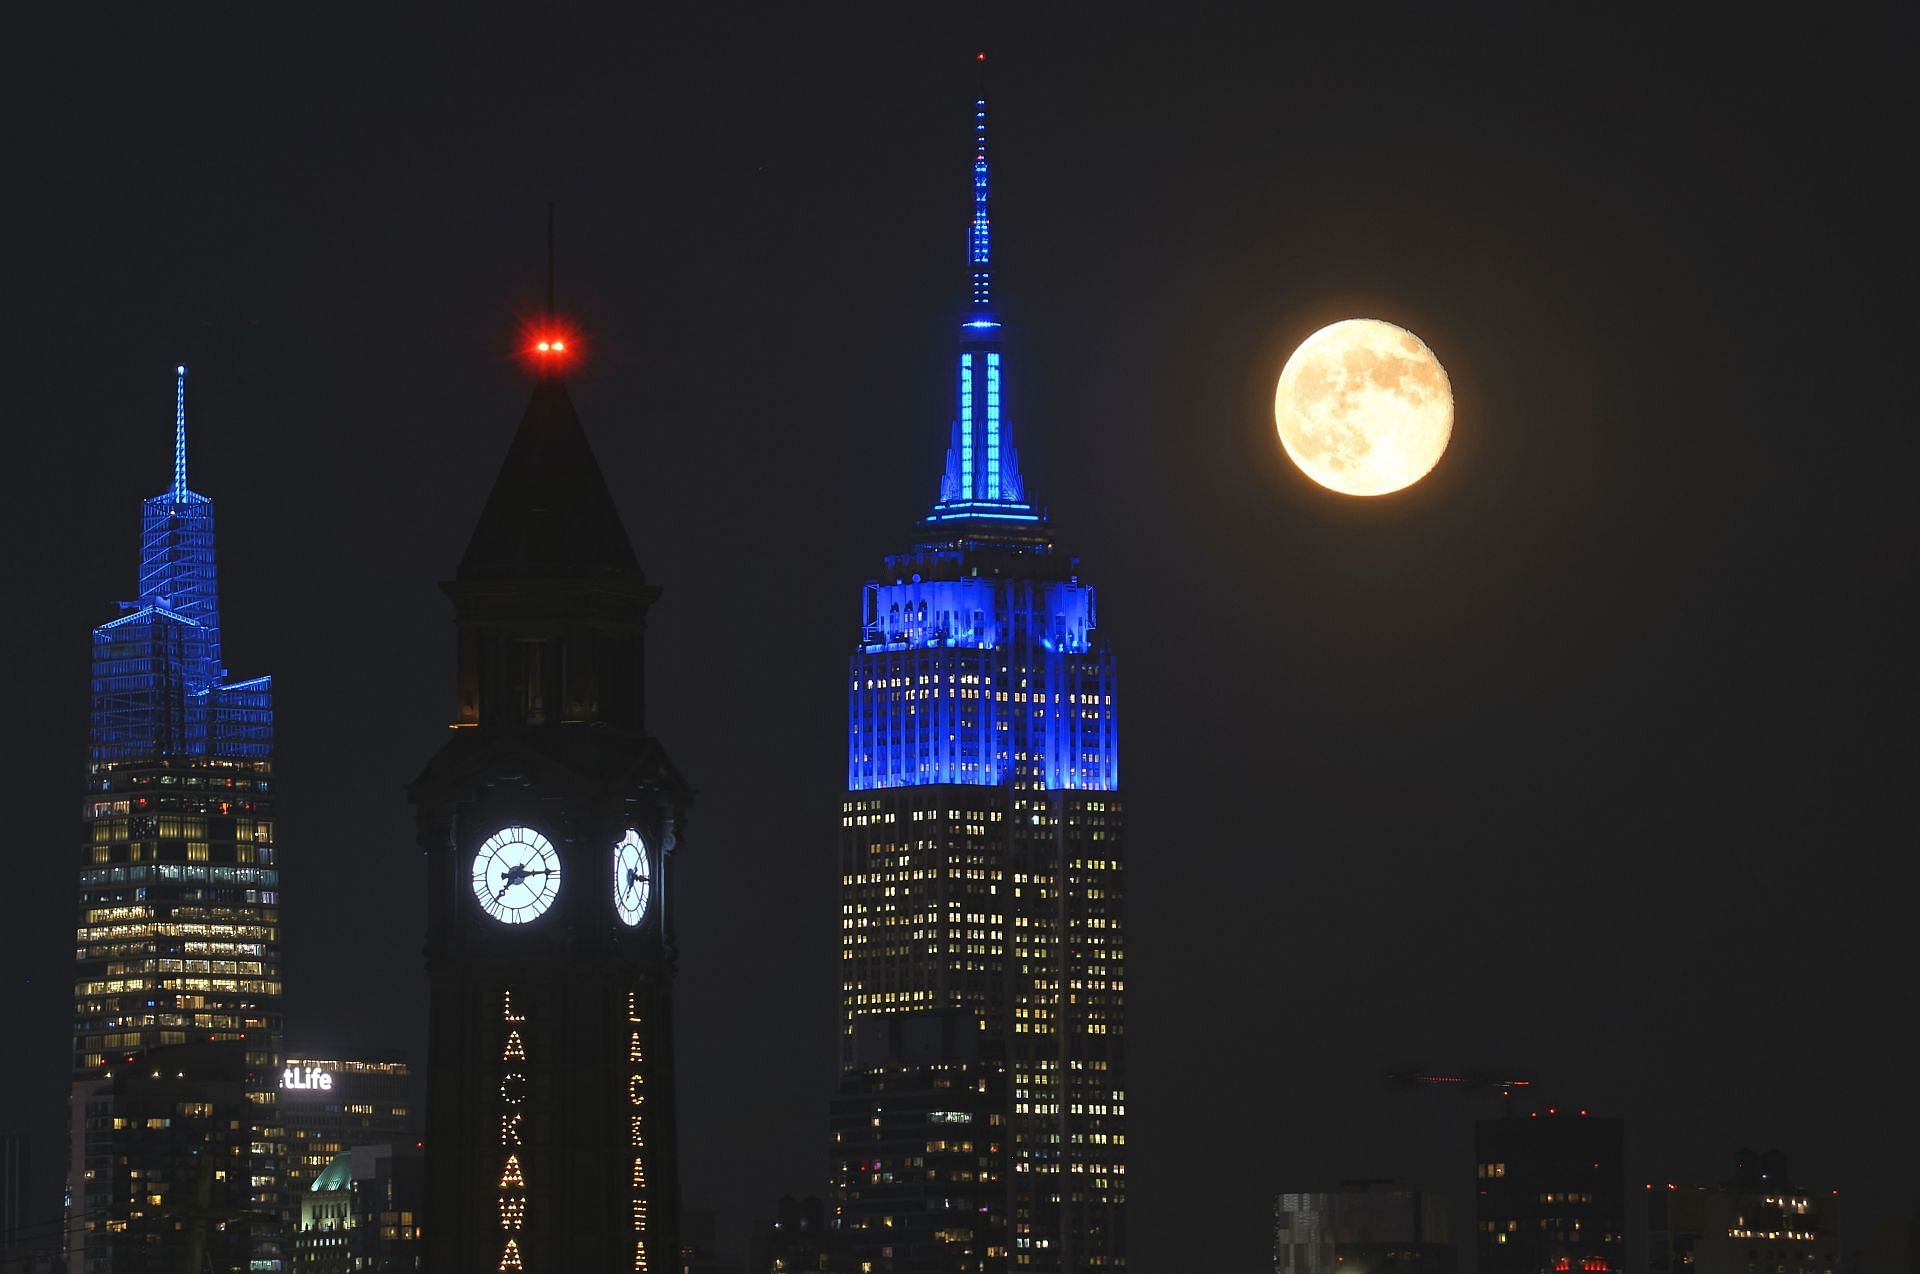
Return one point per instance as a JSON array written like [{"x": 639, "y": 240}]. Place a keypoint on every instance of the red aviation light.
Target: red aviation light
[{"x": 547, "y": 344}]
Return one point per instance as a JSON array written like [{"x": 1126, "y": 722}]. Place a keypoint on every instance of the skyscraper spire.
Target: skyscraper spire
[
  {"x": 982, "y": 479},
  {"x": 980, "y": 234},
  {"x": 176, "y": 549},
  {"x": 180, "y": 434}
]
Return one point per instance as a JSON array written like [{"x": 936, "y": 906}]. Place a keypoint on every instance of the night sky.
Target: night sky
[{"x": 1591, "y": 755}]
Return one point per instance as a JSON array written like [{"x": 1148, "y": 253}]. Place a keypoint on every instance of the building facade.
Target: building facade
[
  {"x": 1550, "y": 1189},
  {"x": 1364, "y": 1227},
  {"x": 29, "y": 1241},
  {"x": 700, "y": 1244},
  {"x": 332, "y": 1102},
  {"x": 980, "y": 856},
  {"x": 361, "y": 1214},
  {"x": 171, "y": 1131},
  {"x": 549, "y": 819},
  {"x": 1759, "y": 1223},
  {"x": 923, "y": 1109},
  {"x": 178, "y": 938}
]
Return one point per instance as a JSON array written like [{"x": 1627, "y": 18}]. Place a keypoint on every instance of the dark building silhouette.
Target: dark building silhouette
[
  {"x": 548, "y": 820},
  {"x": 1551, "y": 1193},
  {"x": 700, "y": 1244},
  {"x": 170, "y": 1132},
  {"x": 1759, "y": 1223},
  {"x": 980, "y": 865},
  {"x": 15, "y": 1165},
  {"x": 1363, "y": 1227},
  {"x": 29, "y": 1236},
  {"x": 922, "y": 1108},
  {"x": 795, "y": 1238},
  {"x": 1894, "y": 1247},
  {"x": 178, "y": 936}
]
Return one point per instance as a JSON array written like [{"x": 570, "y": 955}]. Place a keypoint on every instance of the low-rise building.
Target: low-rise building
[
  {"x": 361, "y": 1214},
  {"x": 1550, "y": 1193},
  {"x": 1363, "y": 1227},
  {"x": 1759, "y": 1223}
]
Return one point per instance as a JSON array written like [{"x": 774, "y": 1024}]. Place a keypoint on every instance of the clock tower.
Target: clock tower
[{"x": 549, "y": 820}]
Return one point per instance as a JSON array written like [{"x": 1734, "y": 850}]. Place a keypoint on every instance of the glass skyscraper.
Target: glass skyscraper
[
  {"x": 979, "y": 1122},
  {"x": 178, "y": 940}
]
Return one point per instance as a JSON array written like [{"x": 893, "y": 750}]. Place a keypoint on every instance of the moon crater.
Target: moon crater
[{"x": 1364, "y": 408}]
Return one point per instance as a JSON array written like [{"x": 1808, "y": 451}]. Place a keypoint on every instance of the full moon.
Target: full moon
[{"x": 1363, "y": 407}]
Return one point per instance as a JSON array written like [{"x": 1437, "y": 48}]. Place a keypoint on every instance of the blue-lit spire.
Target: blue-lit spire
[
  {"x": 180, "y": 434},
  {"x": 159, "y": 689},
  {"x": 980, "y": 234},
  {"x": 177, "y": 570},
  {"x": 982, "y": 478}
]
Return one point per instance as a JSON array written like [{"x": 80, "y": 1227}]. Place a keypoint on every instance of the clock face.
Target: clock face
[
  {"x": 516, "y": 875},
  {"x": 632, "y": 878}
]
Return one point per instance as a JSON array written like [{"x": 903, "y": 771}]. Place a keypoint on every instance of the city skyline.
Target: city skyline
[{"x": 1573, "y": 758}]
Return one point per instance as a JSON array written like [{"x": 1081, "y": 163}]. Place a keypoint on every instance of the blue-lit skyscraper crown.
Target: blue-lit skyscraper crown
[
  {"x": 982, "y": 478},
  {"x": 176, "y": 542},
  {"x": 979, "y": 662},
  {"x": 159, "y": 689}
]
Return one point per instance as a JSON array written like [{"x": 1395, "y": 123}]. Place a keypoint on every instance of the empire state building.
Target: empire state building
[{"x": 979, "y": 1123}]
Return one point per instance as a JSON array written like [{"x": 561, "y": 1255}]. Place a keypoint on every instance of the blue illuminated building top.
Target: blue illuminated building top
[
  {"x": 982, "y": 479},
  {"x": 979, "y": 661},
  {"x": 159, "y": 688}
]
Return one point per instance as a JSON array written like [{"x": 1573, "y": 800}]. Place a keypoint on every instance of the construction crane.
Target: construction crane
[{"x": 1469, "y": 1081}]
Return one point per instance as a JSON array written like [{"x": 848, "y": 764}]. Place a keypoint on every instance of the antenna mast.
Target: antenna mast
[{"x": 180, "y": 434}]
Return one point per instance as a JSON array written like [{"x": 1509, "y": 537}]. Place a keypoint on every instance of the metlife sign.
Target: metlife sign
[{"x": 305, "y": 1079}]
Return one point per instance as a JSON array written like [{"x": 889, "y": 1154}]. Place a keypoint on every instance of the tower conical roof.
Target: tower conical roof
[{"x": 549, "y": 513}]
